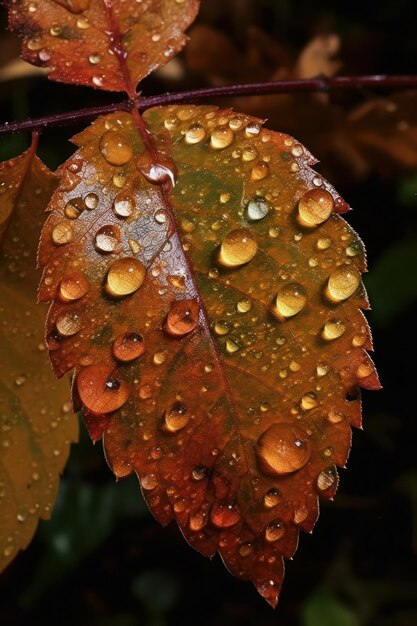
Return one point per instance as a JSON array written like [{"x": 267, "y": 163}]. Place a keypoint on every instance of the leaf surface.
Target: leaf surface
[
  {"x": 36, "y": 422},
  {"x": 107, "y": 44},
  {"x": 215, "y": 328}
]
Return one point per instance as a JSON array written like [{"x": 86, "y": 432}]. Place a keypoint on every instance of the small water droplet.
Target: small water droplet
[
  {"x": 334, "y": 417},
  {"x": 225, "y": 514},
  {"x": 20, "y": 380},
  {"x": 237, "y": 248},
  {"x": 272, "y": 498},
  {"x": 115, "y": 148},
  {"x": 282, "y": 449},
  {"x": 333, "y": 329},
  {"x": 221, "y": 327},
  {"x": 124, "y": 277},
  {"x": 257, "y": 209},
  {"x": 195, "y": 134},
  {"x": 128, "y": 347},
  {"x": 149, "y": 482},
  {"x": 182, "y": 318},
  {"x": 198, "y": 520},
  {"x": 315, "y": 207},
  {"x": 260, "y": 171},
  {"x": 94, "y": 59},
  {"x": 74, "y": 208},
  {"x": 160, "y": 217},
  {"x": 200, "y": 472},
  {"x": 274, "y": 531},
  {"x": 73, "y": 287},
  {"x": 176, "y": 418},
  {"x": 232, "y": 346},
  {"x": 343, "y": 282},
  {"x": 245, "y": 549},
  {"x": 91, "y": 201},
  {"x": 159, "y": 357},
  {"x": 326, "y": 479},
  {"x": 62, "y": 233},
  {"x": 68, "y": 324},
  {"x": 244, "y": 305},
  {"x": 291, "y": 299},
  {"x": 323, "y": 243},
  {"x": 309, "y": 401},
  {"x": 124, "y": 205},
  {"x": 322, "y": 369}
]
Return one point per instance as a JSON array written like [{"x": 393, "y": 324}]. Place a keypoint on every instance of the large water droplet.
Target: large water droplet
[
  {"x": 124, "y": 205},
  {"x": 101, "y": 389},
  {"x": 291, "y": 299},
  {"x": 282, "y": 449},
  {"x": 237, "y": 248},
  {"x": 128, "y": 347},
  {"x": 274, "y": 531},
  {"x": 343, "y": 282},
  {"x": 225, "y": 514},
  {"x": 91, "y": 201},
  {"x": 176, "y": 418},
  {"x": 315, "y": 207},
  {"x": 182, "y": 318},
  {"x": 107, "y": 239},
  {"x": 124, "y": 277},
  {"x": 257, "y": 209},
  {"x": 115, "y": 148},
  {"x": 195, "y": 134},
  {"x": 73, "y": 287},
  {"x": 221, "y": 138},
  {"x": 62, "y": 233}
]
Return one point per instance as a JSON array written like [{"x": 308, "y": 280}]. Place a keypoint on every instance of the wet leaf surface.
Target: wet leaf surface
[
  {"x": 108, "y": 45},
  {"x": 36, "y": 421},
  {"x": 214, "y": 324}
]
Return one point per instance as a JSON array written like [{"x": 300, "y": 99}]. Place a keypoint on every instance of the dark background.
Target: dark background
[{"x": 103, "y": 560}]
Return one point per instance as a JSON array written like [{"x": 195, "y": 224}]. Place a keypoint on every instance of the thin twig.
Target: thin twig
[{"x": 318, "y": 84}]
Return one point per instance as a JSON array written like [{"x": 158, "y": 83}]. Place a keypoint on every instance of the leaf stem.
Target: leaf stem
[{"x": 304, "y": 85}]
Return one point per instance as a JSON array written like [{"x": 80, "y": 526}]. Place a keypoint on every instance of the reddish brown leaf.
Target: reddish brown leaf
[
  {"x": 220, "y": 345},
  {"x": 110, "y": 44},
  {"x": 36, "y": 424}
]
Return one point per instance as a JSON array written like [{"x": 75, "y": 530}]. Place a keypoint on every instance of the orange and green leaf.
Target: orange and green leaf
[
  {"x": 107, "y": 44},
  {"x": 207, "y": 293},
  {"x": 36, "y": 422}
]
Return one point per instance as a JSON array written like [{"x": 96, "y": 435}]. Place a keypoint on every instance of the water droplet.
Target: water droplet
[
  {"x": 115, "y": 148},
  {"x": 159, "y": 357},
  {"x": 158, "y": 174},
  {"x": 291, "y": 299},
  {"x": 333, "y": 329},
  {"x": 257, "y": 209},
  {"x": 91, "y": 201},
  {"x": 343, "y": 282},
  {"x": 272, "y": 498},
  {"x": 62, "y": 233},
  {"x": 335, "y": 417},
  {"x": 253, "y": 129},
  {"x": 200, "y": 473},
  {"x": 232, "y": 346},
  {"x": 322, "y": 369},
  {"x": 8, "y": 551},
  {"x": 244, "y": 305},
  {"x": 74, "y": 208},
  {"x": 149, "y": 482},
  {"x": 225, "y": 514},
  {"x": 20, "y": 380},
  {"x": 195, "y": 134},
  {"x": 315, "y": 207},
  {"x": 260, "y": 171},
  {"x": 221, "y": 137},
  {"x": 73, "y": 287},
  {"x": 182, "y": 318},
  {"x": 326, "y": 478},
  {"x": 274, "y": 531},
  {"x": 124, "y": 205},
  {"x": 176, "y": 418},
  {"x": 323, "y": 243},
  {"x": 282, "y": 449},
  {"x": 94, "y": 59},
  {"x": 246, "y": 549},
  {"x": 119, "y": 179},
  {"x": 124, "y": 277},
  {"x": 198, "y": 520},
  {"x": 101, "y": 389},
  {"x": 128, "y": 347},
  {"x": 237, "y": 248},
  {"x": 107, "y": 239},
  {"x": 160, "y": 217},
  {"x": 300, "y": 514},
  {"x": 68, "y": 324},
  {"x": 249, "y": 153},
  {"x": 364, "y": 370},
  {"x": 221, "y": 327},
  {"x": 309, "y": 401}
]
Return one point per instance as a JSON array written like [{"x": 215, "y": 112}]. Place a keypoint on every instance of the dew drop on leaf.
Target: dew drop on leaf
[
  {"x": 128, "y": 347},
  {"x": 176, "y": 418},
  {"x": 68, "y": 324},
  {"x": 282, "y": 449},
  {"x": 315, "y": 207},
  {"x": 115, "y": 148},
  {"x": 62, "y": 233},
  {"x": 225, "y": 514},
  {"x": 221, "y": 138},
  {"x": 182, "y": 318},
  {"x": 73, "y": 287},
  {"x": 237, "y": 248},
  {"x": 272, "y": 498},
  {"x": 291, "y": 299},
  {"x": 124, "y": 277},
  {"x": 257, "y": 209},
  {"x": 274, "y": 531},
  {"x": 101, "y": 389},
  {"x": 195, "y": 134},
  {"x": 343, "y": 282},
  {"x": 333, "y": 329},
  {"x": 107, "y": 239}
]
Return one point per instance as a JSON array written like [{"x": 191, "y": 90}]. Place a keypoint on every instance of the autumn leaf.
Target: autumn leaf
[
  {"x": 207, "y": 293},
  {"x": 36, "y": 421},
  {"x": 109, "y": 45}
]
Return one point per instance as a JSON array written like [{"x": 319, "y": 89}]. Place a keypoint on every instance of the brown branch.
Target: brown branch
[{"x": 305, "y": 85}]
